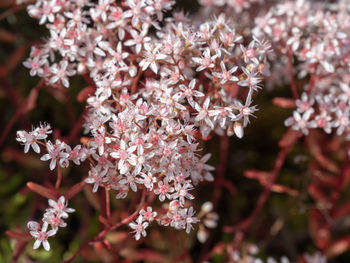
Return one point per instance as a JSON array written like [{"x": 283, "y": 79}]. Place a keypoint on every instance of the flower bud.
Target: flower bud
[
  {"x": 238, "y": 129},
  {"x": 207, "y": 207}
]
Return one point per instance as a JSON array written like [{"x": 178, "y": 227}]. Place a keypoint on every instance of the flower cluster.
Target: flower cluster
[
  {"x": 155, "y": 94},
  {"x": 30, "y": 139},
  {"x": 53, "y": 217},
  {"x": 175, "y": 216},
  {"x": 317, "y": 36},
  {"x": 58, "y": 152},
  {"x": 208, "y": 219}
]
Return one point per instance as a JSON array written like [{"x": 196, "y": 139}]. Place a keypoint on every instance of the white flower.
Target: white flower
[
  {"x": 41, "y": 236},
  {"x": 55, "y": 153},
  {"x": 151, "y": 56},
  {"x": 148, "y": 214},
  {"x": 97, "y": 176},
  {"x": 59, "y": 207},
  {"x": 28, "y": 139},
  {"x": 139, "y": 227}
]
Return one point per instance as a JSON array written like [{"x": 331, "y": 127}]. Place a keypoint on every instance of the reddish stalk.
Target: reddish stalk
[
  {"x": 89, "y": 80},
  {"x": 221, "y": 169},
  {"x": 246, "y": 223},
  {"x": 108, "y": 205},
  {"x": 106, "y": 231},
  {"x": 59, "y": 177},
  {"x": 341, "y": 179},
  {"x": 219, "y": 181},
  {"x": 77, "y": 127},
  {"x": 135, "y": 82},
  {"x": 27, "y": 105},
  {"x": 293, "y": 85}
]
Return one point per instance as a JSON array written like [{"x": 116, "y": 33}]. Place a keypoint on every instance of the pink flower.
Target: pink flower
[
  {"x": 139, "y": 227},
  {"x": 97, "y": 176},
  {"x": 206, "y": 61},
  {"x": 28, "y": 139},
  {"x": 203, "y": 113},
  {"x": 61, "y": 72},
  {"x": 59, "y": 207},
  {"x": 138, "y": 39},
  {"x": 148, "y": 214},
  {"x": 164, "y": 189},
  {"x": 189, "y": 92},
  {"x": 225, "y": 75},
  {"x": 56, "y": 152},
  {"x": 35, "y": 65},
  {"x": 42, "y": 235},
  {"x": 125, "y": 156},
  {"x": 151, "y": 56}
]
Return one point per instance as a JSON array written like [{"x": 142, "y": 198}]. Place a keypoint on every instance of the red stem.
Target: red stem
[
  {"x": 59, "y": 177},
  {"x": 108, "y": 205},
  {"x": 135, "y": 82},
  {"x": 246, "y": 223},
  {"x": 293, "y": 85},
  {"x": 106, "y": 231},
  {"x": 23, "y": 109}
]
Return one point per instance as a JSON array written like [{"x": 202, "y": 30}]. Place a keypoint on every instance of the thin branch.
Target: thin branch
[
  {"x": 59, "y": 177},
  {"x": 246, "y": 223},
  {"x": 293, "y": 85},
  {"x": 106, "y": 231}
]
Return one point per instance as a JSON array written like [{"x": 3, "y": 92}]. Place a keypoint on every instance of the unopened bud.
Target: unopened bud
[
  {"x": 81, "y": 68},
  {"x": 207, "y": 207},
  {"x": 132, "y": 71},
  {"x": 238, "y": 128},
  {"x": 230, "y": 131}
]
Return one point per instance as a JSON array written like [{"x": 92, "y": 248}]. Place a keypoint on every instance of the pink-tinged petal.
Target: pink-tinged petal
[
  {"x": 296, "y": 116},
  {"x": 37, "y": 244},
  {"x": 132, "y": 149},
  {"x": 122, "y": 145},
  {"x": 132, "y": 225},
  {"x": 46, "y": 245},
  {"x": 51, "y": 232},
  {"x": 32, "y": 225},
  {"x": 206, "y": 157},
  {"x": 90, "y": 180},
  {"x": 197, "y": 60},
  {"x": 26, "y": 147},
  {"x": 52, "y": 164},
  {"x": 36, "y": 147},
  {"x": 45, "y": 157},
  {"x": 206, "y": 103},
  {"x": 132, "y": 160},
  {"x": 65, "y": 82},
  {"x": 114, "y": 155},
  {"x": 138, "y": 236},
  {"x": 99, "y": 52},
  {"x": 62, "y": 199},
  {"x": 54, "y": 79},
  {"x": 154, "y": 67},
  {"x": 138, "y": 48},
  {"x": 52, "y": 203},
  {"x": 44, "y": 227},
  {"x": 95, "y": 188},
  {"x": 133, "y": 187},
  {"x": 129, "y": 43},
  {"x": 238, "y": 129}
]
